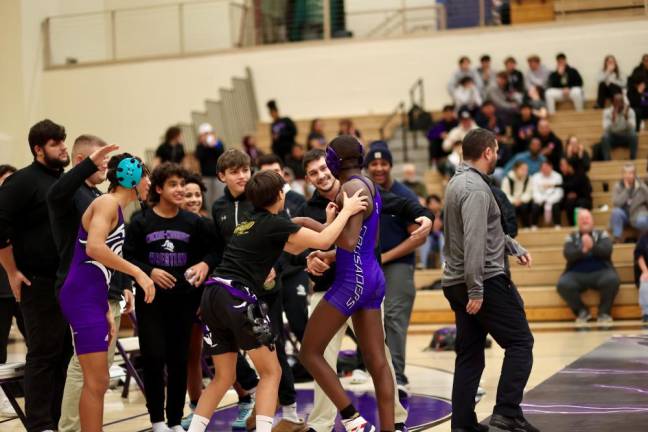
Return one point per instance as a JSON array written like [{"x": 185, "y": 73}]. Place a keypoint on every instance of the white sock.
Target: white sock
[
  {"x": 263, "y": 423},
  {"x": 160, "y": 427},
  {"x": 289, "y": 412},
  {"x": 198, "y": 424}
]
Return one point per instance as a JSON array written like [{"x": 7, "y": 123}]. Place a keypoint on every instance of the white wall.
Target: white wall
[{"x": 131, "y": 104}]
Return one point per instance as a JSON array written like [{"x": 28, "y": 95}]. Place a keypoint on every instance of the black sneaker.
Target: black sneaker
[{"x": 517, "y": 424}]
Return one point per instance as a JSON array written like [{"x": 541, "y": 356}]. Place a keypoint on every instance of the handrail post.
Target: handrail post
[
  {"x": 404, "y": 131},
  {"x": 181, "y": 27},
  {"x": 482, "y": 13},
  {"x": 326, "y": 5},
  {"x": 47, "y": 52},
  {"x": 113, "y": 34}
]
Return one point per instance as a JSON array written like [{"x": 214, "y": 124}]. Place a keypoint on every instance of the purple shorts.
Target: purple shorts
[
  {"x": 349, "y": 298},
  {"x": 91, "y": 338}
]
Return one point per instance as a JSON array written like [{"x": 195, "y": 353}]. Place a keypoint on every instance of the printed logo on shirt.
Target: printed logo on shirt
[
  {"x": 243, "y": 228},
  {"x": 168, "y": 245}
]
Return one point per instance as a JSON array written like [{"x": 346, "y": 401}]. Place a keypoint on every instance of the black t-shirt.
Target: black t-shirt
[
  {"x": 168, "y": 152},
  {"x": 256, "y": 244}
]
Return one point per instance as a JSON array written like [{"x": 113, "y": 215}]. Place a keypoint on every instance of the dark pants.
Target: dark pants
[
  {"x": 502, "y": 316},
  {"x": 605, "y": 93},
  {"x": 572, "y": 284},
  {"x": 523, "y": 211},
  {"x": 538, "y": 209},
  {"x": 49, "y": 350},
  {"x": 295, "y": 302},
  {"x": 9, "y": 309},
  {"x": 287, "y": 394},
  {"x": 164, "y": 331},
  {"x": 571, "y": 204},
  {"x": 612, "y": 140},
  {"x": 246, "y": 377}
]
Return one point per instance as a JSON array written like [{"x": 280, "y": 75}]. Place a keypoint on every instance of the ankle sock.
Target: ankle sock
[
  {"x": 289, "y": 412},
  {"x": 263, "y": 423},
  {"x": 349, "y": 413},
  {"x": 198, "y": 424}
]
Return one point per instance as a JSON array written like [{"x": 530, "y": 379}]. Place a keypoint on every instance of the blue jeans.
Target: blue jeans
[
  {"x": 643, "y": 298},
  {"x": 619, "y": 219}
]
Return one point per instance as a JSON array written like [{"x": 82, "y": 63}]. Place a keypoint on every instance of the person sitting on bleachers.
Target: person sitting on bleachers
[
  {"x": 434, "y": 243},
  {"x": 537, "y": 75},
  {"x": 515, "y": 79},
  {"x": 640, "y": 72},
  {"x": 546, "y": 187},
  {"x": 485, "y": 71},
  {"x": 464, "y": 71},
  {"x": 524, "y": 126},
  {"x": 588, "y": 252},
  {"x": 506, "y": 104},
  {"x": 466, "y": 95},
  {"x": 610, "y": 81},
  {"x": 576, "y": 154},
  {"x": 641, "y": 274},
  {"x": 413, "y": 183},
  {"x": 552, "y": 146},
  {"x": 630, "y": 201},
  {"x": 532, "y": 158},
  {"x": 438, "y": 133},
  {"x": 565, "y": 83},
  {"x": 466, "y": 124},
  {"x": 348, "y": 128},
  {"x": 517, "y": 188},
  {"x": 638, "y": 99},
  {"x": 619, "y": 123},
  {"x": 577, "y": 190}
]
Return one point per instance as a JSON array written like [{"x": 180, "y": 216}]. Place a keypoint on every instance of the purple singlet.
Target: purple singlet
[
  {"x": 84, "y": 295},
  {"x": 359, "y": 280}
]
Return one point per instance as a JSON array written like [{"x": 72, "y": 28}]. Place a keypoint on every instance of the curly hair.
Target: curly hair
[{"x": 160, "y": 175}]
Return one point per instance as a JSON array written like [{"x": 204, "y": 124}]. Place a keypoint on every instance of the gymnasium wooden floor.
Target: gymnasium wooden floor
[{"x": 556, "y": 346}]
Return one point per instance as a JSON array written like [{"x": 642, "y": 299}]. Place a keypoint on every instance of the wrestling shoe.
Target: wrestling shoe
[
  {"x": 400, "y": 427},
  {"x": 358, "y": 424},
  {"x": 359, "y": 376},
  {"x": 242, "y": 422},
  {"x": 290, "y": 426},
  {"x": 186, "y": 422},
  {"x": 517, "y": 424}
]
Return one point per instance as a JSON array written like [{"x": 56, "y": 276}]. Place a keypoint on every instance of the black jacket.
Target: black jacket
[
  {"x": 571, "y": 78},
  {"x": 515, "y": 82},
  {"x": 208, "y": 157},
  {"x": 24, "y": 220},
  {"x": 580, "y": 185},
  {"x": 557, "y": 152}
]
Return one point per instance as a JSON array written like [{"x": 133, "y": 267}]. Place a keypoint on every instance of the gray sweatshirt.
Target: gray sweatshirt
[{"x": 475, "y": 243}]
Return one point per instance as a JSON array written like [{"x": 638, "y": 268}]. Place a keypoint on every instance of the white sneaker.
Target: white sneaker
[
  {"x": 6, "y": 410},
  {"x": 359, "y": 376}
]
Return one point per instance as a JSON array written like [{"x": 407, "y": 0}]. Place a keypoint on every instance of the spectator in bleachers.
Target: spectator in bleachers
[
  {"x": 485, "y": 71},
  {"x": 534, "y": 99},
  {"x": 450, "y": 164},
  {"x": 576, "y": 154},
  {"x": 641, "y": 274},
  {"x": 413, "y": 183},
  {"x": 282, "y": 130},
  {"x": 505, "y": 103},
  {"x": 466, "y": 124},
  {"x": 316, "y": 139},
  {"x": 524, "y": 126},
  {"x": 464, "y": 71},
  {"x": 537, "y": 75},
  {"x": 250, "y": 148},
  {"x": 565, "y": 83},
  {"x": 638, "y": 99},
  {"x": 619, "y": 128},
  {"x": 588, "y": 252},
  {"x": 533, "y": 158},
  {"x": 172, "y": 149},
  {"x": 546, "y": 187},
  {"x": 552, "y": 146},
  {"x": 439, "y": 132},
  {"x": 517, "y": 188},
  {"x": 348, "y": 128},
  {"x": 610, "y": 81},
  {"x": 466, "y": 95},
  {"x": 515, "y": 79},
  {"x": 630, "y": 203},
  {"x": 295, "y": 161},
  {"x": 640, "y": 73},
  {"x": 487, "y": 118},
  {"x": 434, "y": 243},
  {"x": 208, "y": 150},
  {"x": 577, "y": 190}
]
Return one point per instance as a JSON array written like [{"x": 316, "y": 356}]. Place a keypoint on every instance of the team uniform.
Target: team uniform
[
  {"x": 254, "y": 248},
  {"x": 359, "y": 281},
  {"x": 84, "y": 294}
]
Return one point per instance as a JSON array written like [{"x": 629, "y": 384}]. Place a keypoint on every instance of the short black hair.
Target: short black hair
[
  {"x": 111, "y": 173},
  {"x": 160, "y": 175},
  {"x": 465, "y": 80},
  {"x": 312, "y": 155},
  {"x": 4, "y": 169},
  {"x": 561, "y": 56},
  {"x": 42, "y": 132},
  {"x": 262, "y": 190},
  {"x": 447, "y": 108},
  {"x": 487, "y": 102},
  {"x": 484, "y": 58},
  {"x": 432, "y": 197},
  {"x": 463, "y": 59},
  {"x": 476, "y": 142},
  {"x": 172, "y": 133},
  {"x": 272, "y": 105},
  {"x": 269, "y": 159},
  {"x": 232, "y": 159},
  {"x": 194, "y": 178}
]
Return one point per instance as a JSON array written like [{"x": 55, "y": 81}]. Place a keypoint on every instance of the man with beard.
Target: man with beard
[
  {"x": 481, "y": 294},
  {"x": 30, "y": 258}
]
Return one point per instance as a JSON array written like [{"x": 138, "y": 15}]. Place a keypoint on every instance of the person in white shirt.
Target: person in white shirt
[
  {"x": 546, "y": 187},
  {"x": 457, "y": 134},
  {"x": 517, "y": 187},
  {"x": 466, "y": 95},
  {"x": 610, "y": 81}
]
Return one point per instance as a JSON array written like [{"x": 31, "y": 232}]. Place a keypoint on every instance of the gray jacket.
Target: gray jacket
[
  {"x": 475, "y": 243},
  {"x": 635, "y": 200}
]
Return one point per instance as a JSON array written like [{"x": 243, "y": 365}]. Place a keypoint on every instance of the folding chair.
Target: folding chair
[
  {"x": 11, "y": 373},
  {"x": 128, "y": 349}
]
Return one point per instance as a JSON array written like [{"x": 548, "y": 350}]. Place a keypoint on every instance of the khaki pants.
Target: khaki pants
[
  {"x": 69, "y": 421},
  {"x": 322, "y": 417}
]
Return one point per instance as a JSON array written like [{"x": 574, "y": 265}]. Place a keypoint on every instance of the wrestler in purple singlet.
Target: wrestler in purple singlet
[
  {"x": 359, "y": 280},
  {"x": 84, "y": 295}
]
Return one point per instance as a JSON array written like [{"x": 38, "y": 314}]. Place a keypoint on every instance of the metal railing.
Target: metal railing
[
  {"x": 399, "y": 115},
  {"x": 417, "y": 90}
]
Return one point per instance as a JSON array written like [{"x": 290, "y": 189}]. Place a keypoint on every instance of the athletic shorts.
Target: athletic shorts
[
  {"x": 225, "y": 318},
  {"x": 350, "y": 297}
]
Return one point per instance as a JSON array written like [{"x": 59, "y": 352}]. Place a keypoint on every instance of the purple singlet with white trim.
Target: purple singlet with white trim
[
  {"x": 359, "y": 280},
  {"x": 84, "y": 295}
]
